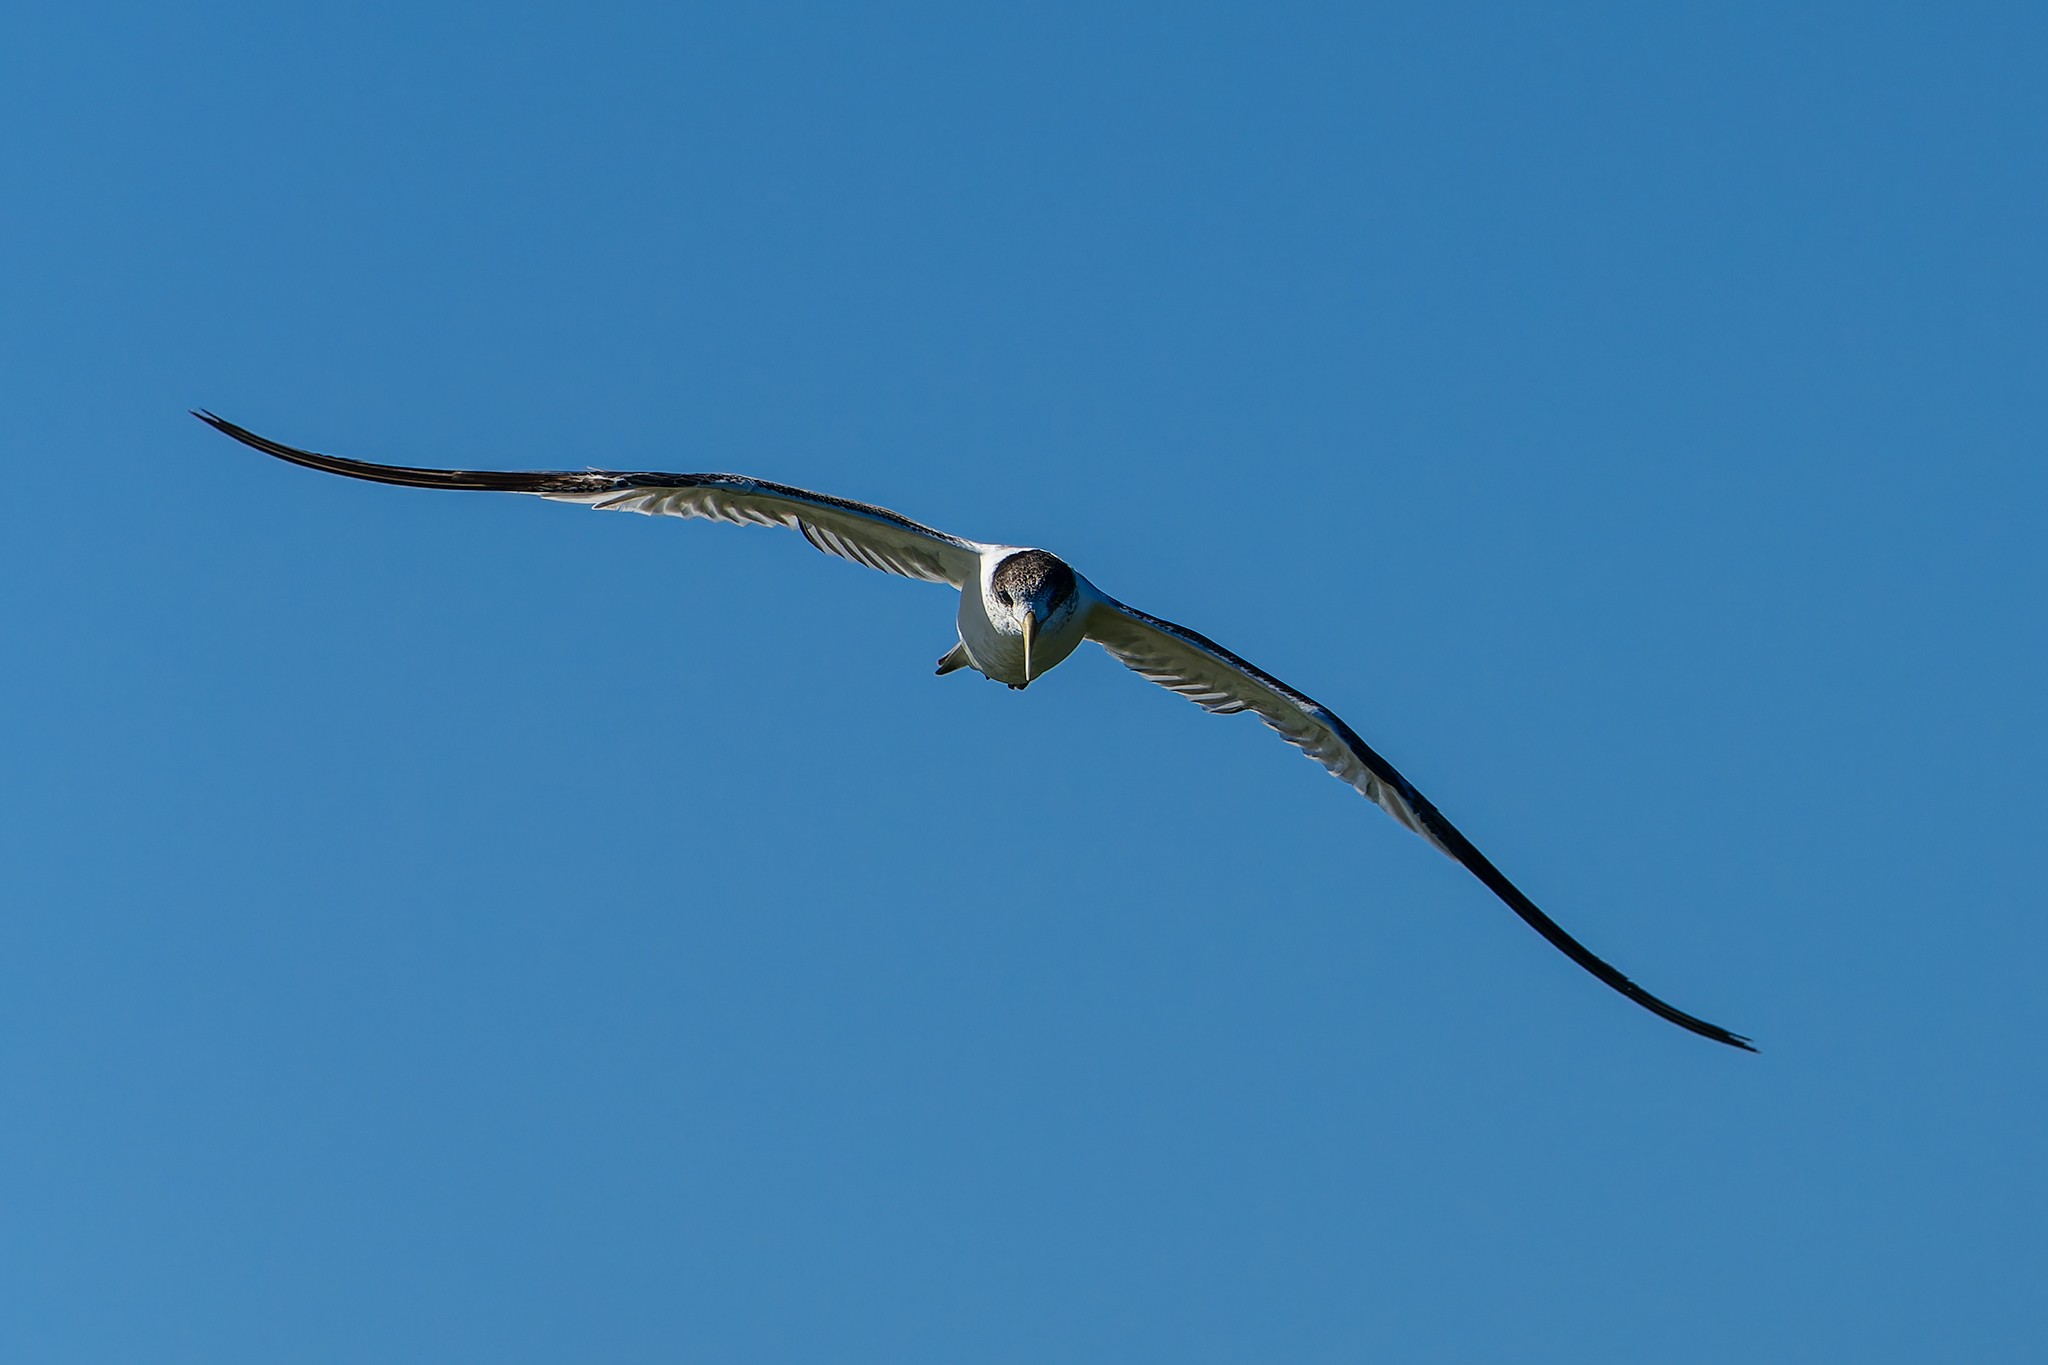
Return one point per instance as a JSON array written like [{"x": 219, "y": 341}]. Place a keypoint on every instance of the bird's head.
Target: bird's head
[{"x": 1028, "y": 592}]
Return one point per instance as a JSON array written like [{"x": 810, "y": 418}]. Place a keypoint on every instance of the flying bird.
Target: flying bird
[{"x": 1022, "y": 612}]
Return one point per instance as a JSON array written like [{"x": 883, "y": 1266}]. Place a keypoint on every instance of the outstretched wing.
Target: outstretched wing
[
  {"x": 868, "y": 535},
  {"x": 1216, "y": 680}
]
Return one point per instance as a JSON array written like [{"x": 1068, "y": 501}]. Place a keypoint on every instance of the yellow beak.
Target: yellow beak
[{"x": 1030, "y": 633}]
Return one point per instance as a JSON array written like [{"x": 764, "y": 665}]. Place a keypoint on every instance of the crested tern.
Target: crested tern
[{"x": 1022, "y": 612}]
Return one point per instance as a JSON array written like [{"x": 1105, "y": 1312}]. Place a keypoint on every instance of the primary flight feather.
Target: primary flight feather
[{"x": 1022, "y": 611}]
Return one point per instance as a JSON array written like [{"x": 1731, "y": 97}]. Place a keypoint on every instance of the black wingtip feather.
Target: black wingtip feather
[
  {"x": 1477, "y": 863},
  {"x": 492, "y": 481}
]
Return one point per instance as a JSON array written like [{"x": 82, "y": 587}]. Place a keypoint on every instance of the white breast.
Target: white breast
[
  {"x": 996, "y": 647},
  {"x": 994, "y": 653}
]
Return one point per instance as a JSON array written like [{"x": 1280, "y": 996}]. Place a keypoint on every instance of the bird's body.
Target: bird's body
[
  {"x": 1022, "y": 612},
  {"x": 1018, "y": 590}
]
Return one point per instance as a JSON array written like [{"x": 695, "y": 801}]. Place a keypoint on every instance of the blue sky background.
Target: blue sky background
[{"x": 467, "y": 929}]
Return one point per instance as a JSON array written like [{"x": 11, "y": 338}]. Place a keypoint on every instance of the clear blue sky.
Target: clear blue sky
[{"x": 454, "y": 928}]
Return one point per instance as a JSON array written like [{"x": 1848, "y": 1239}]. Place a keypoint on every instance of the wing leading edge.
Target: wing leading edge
[
  {"x": 1217, "y": 680},
  {"x": 865, "y": 534}
]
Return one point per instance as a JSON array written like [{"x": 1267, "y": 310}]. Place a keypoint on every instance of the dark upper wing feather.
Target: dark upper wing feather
[
  {"x": 874, "y": 536},
  {"x": 1217, "y": 680}
]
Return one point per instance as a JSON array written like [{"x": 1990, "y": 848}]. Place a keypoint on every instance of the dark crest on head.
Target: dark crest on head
[{"x": 1032, "y": 573}]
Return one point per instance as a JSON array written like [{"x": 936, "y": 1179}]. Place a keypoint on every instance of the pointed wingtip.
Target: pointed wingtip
[{"x": 1691, "y": 1023}]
